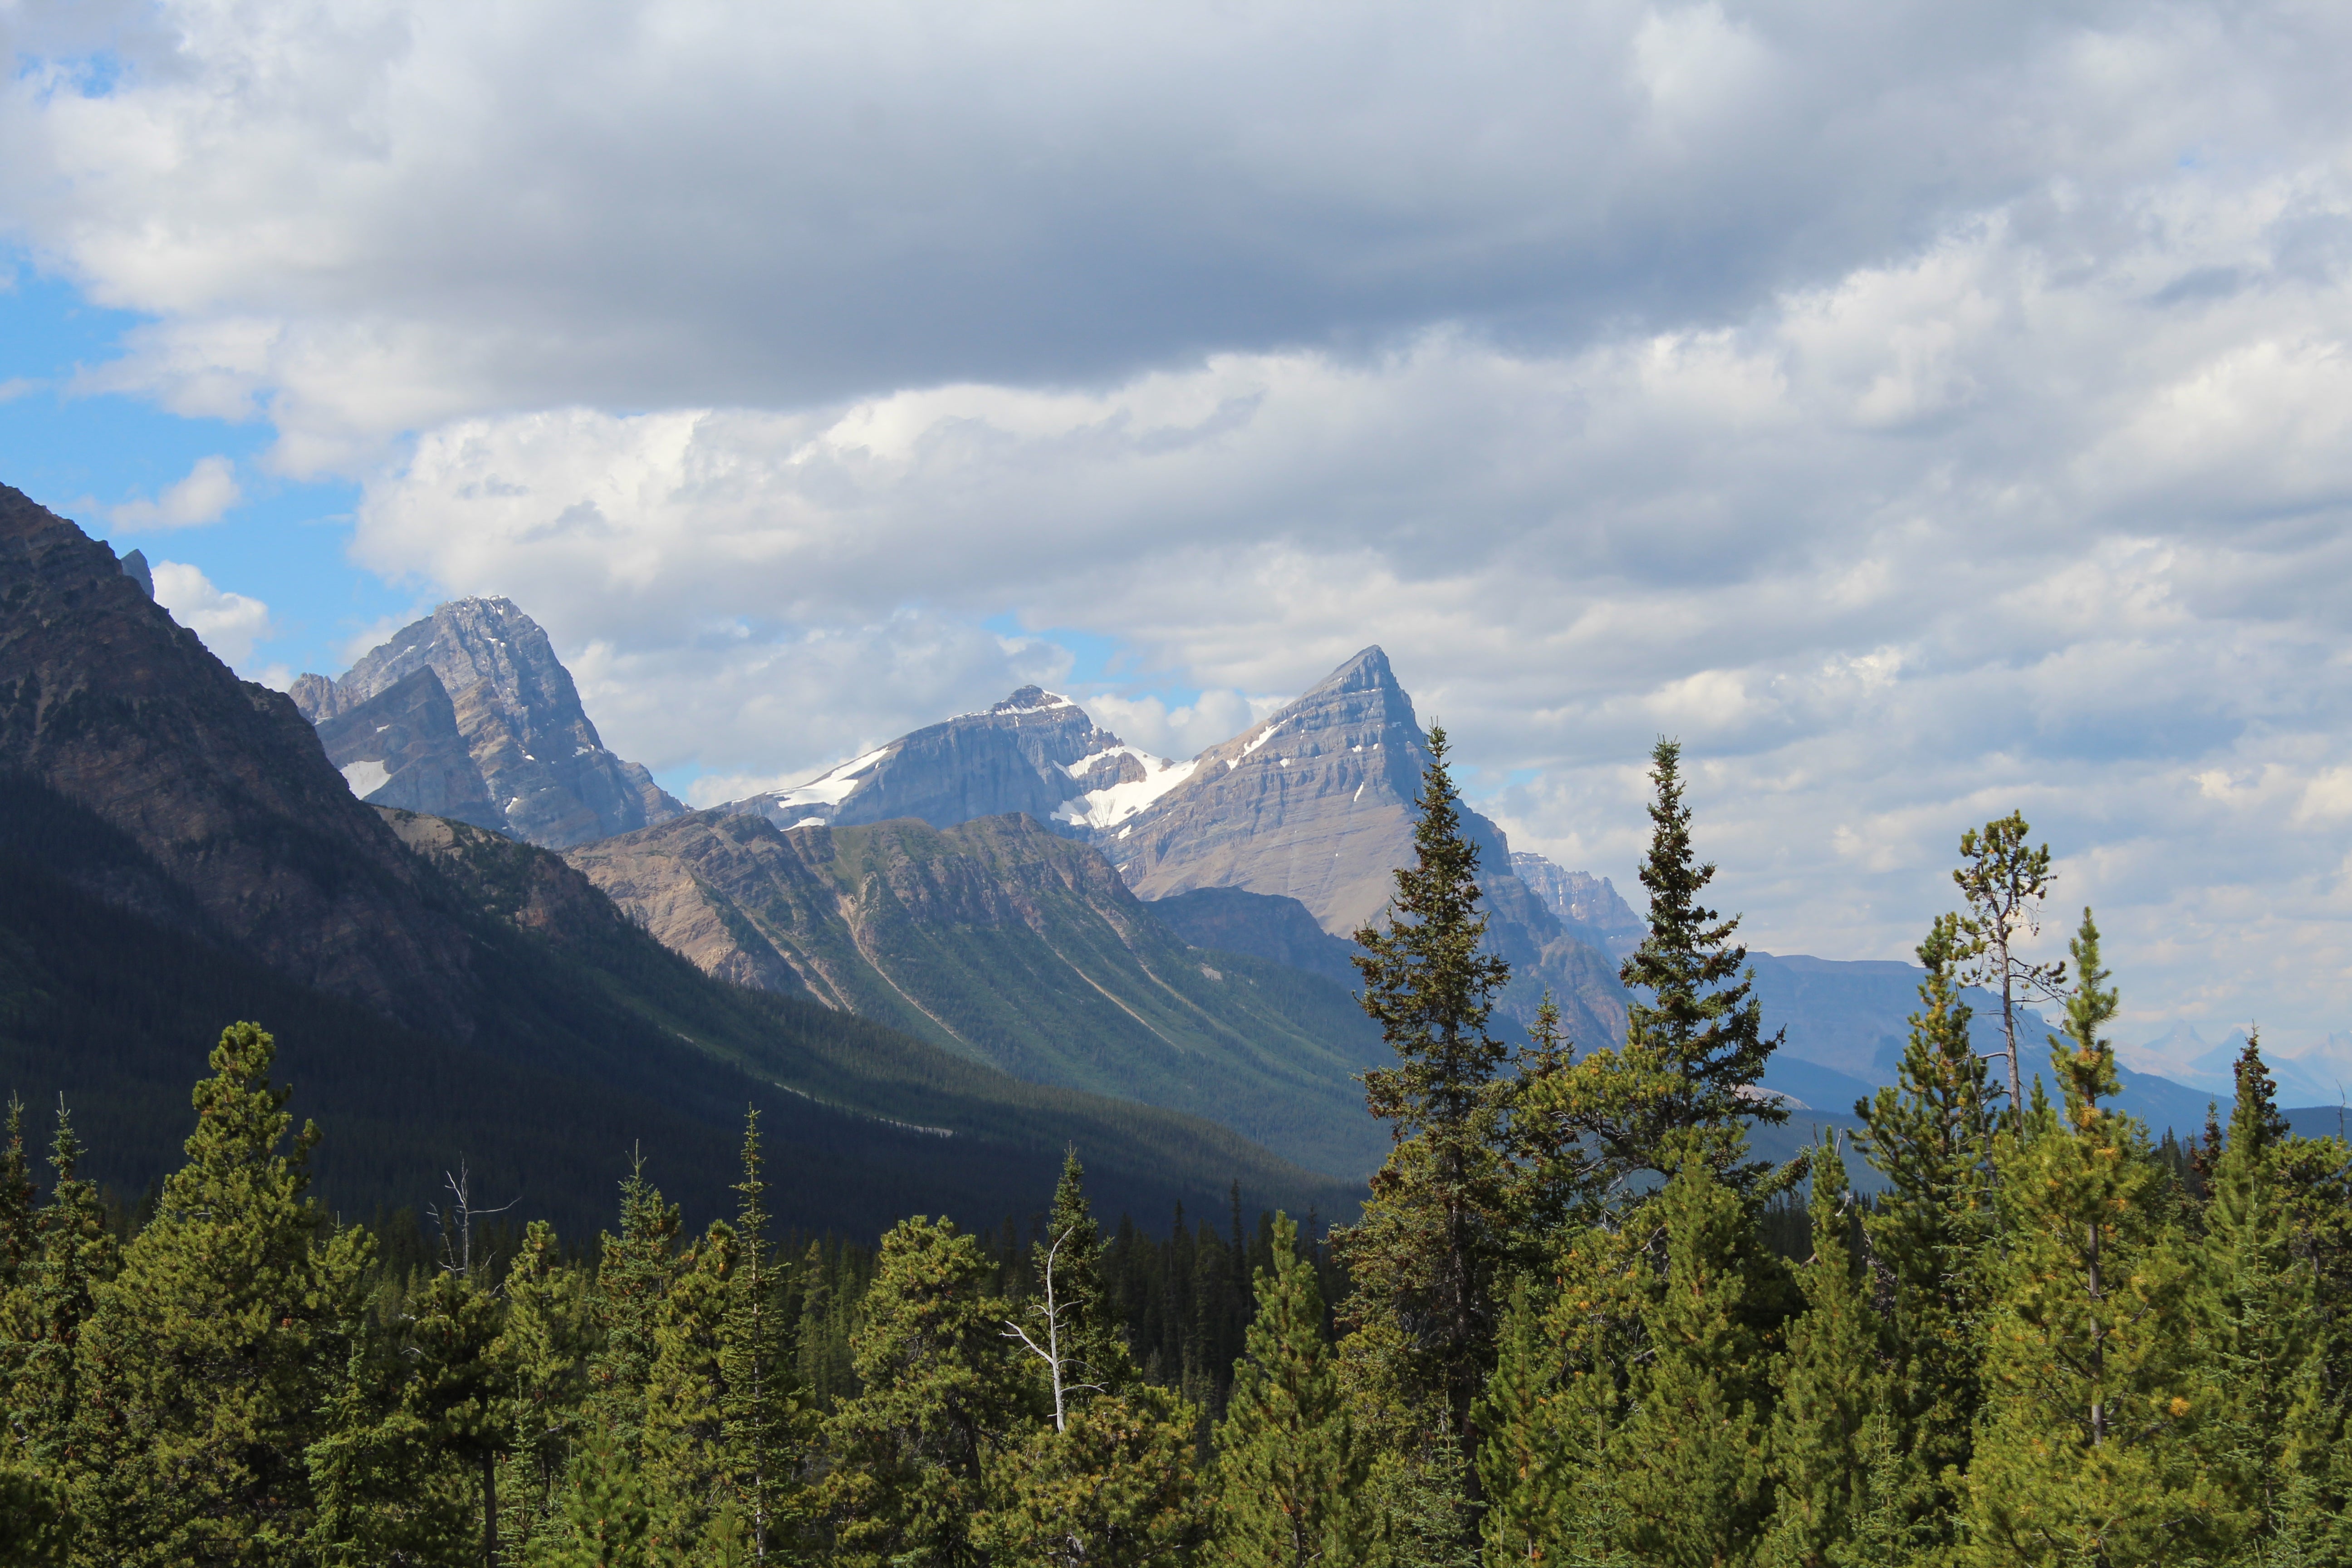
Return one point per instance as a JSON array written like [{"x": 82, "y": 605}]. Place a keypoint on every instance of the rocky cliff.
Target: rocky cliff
[
  {"x": 541, "y": 768},
  {"x": 1589, "y": 906},
  {"x": 1009, "y": 944},
  {"x": 403, "y": 748},
  {"x": 246, "y": 830}
]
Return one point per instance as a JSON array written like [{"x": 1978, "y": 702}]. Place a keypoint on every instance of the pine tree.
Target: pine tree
[
  {"x": 2004, "y": 882},
  {"x": 1695, "y": 1043},
  {"x": 761, "y": 1418},
  {"x": 19, "y": 1246},
  {"x": 1931, "y": 1137},
  {"x": 543, "y": 1353},
  {"x": 612, "y": 1514},
  {"x": 1291, "y": 1467},
  {"x": 1427, "y": 1247},
  {"x": 1113, "y": 1487},
  {"x": 212, "y": 1358},
  {"x": 1523, "y": 1468},
  {"x": 1070, "y": 1333},
  {"x": 1689, "y": 1461},
  {"x": 2093, "y": 1398},
  {"x": 1830, "y": 1481},
  {"x": 940, "y": 1397},
  {"x": 685, "y": 1454},
  {"x": 2259, "y": 1323},
  {"x": 77, "y": 1256},
  {"x": 633, "y": 1282}
]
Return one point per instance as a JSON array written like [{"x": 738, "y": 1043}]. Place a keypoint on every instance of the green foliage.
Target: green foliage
[
  {"x": 1690, "y": 1460},
  {"x": 1838, "y": 1491},
  {"x": 1931, "y": 1231},
  {"x": 212, "y": 1360},
  {"x": 1431, "y": 1238},
  {"x": 1113, "y": 1487},
  {"x": 2094, "y": 1401},
  {"x": 1695, "y": 1041},
  {"x": 940, "y": 1397},
  {"x": 1291, "y": 1467}
]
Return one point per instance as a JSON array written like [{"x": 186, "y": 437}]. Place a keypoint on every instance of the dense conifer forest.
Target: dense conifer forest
[{"x": 1576, "y": 1323}]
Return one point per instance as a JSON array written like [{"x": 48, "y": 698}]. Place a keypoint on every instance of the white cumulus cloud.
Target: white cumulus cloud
[
  {"x": 230, "y": 624},
  {"x": 210, "y": 489}
]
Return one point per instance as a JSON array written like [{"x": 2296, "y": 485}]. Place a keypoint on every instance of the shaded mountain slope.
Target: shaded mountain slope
[
  {"x": 1001, "y": 941},
  {"x": 601, "y": 1041},
  {"x": 246, "y": 832}
]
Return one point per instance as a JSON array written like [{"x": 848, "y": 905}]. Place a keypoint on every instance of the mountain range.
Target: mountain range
[
  {"x": 933, "y": 966},
  {"x": 177, "y": 850}
]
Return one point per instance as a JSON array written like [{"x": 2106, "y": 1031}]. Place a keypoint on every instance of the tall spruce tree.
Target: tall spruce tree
[
  {"x": 1424, "y": 1255},
  {"x": 1113, "y": 1487},
  {"x": 1695, "y": 1043},
  {"x": 1930, "y": 1135},
  {"x": 2093, "y": 1399},
  {"x": 543, "y": 1353},
  {"x": 1291, "y": 1466},
  {"x": 212, "y": 1358},
  {"x": 761, "y": 1418},
  {"x": 632, "y": 1286},
  {"x": 685, "y": 1453}
]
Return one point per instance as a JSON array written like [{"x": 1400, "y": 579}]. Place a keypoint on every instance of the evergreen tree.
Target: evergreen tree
[
  {"x": 18, "y": 1245},
  {"x": 1114, "y": 1487},
  {"x": 612, "y": 1514},
  {"x": 2259, "y": 1325},
  {"x": 1688, "y": 1462},
  {"x": 2093, "y": 1398},
  {"x": 543, "y": 1353},
  {"x": 939, "y": 1398},
  {"x": 212, "y": 1358},
  {"x": 1832, "y": 1432},
  {"x": 2003, "y": 882},
  {"x": 1931, "y": 1137},
  {"x": 762, "y": 1419},
  {"x": 1075, "y": 1345},
  {"x": 77, "y": 1254},
  {"x": 631, "y": 1284},
  {"x": 685, "y": 1453},
  {"x": 1523, "y": 1468},
  {"x": 1695, "y": 1042},
  {"x": 1291, "y": 1468},
  {"x": 1426, "y": 1249}
]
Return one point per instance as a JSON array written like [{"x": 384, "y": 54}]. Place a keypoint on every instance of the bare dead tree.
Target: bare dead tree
[
  {"x": 1050, "y": 1352},
  {"x": 457, "y": 1258}
]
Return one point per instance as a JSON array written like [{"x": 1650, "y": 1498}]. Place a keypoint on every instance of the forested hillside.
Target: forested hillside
[{"x": 1579, "y": 1320}]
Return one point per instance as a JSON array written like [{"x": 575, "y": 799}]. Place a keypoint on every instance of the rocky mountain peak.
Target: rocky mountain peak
[
  {"x": 1036, "y": 752},
  {"x": 542, "y": 770}
]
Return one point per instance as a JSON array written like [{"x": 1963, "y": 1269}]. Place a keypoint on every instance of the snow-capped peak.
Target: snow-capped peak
[{"x": 1109, "y": 806}]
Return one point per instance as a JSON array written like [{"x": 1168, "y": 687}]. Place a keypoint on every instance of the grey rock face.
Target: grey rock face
[
  {"x": 1588, "y": 905},
  {"x": 1035, "y": 752},
  {"x": 1314, "y": 804},
  {"x": 543, "y": 769},
  {"x": 401, "y": 748},
  {"x": 134, "y": 566}
]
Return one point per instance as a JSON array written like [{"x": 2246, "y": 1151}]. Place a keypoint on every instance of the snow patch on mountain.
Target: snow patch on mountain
[
  {"x": 832, "y": 787},
  {"x": 1103, "y": 808}
]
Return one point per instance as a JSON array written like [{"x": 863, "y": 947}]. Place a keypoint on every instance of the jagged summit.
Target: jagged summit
[
  {"x": 1036, "y": 752},
  {"x": 1313, "y": 803},
  {"x": 512, "y": 719}
]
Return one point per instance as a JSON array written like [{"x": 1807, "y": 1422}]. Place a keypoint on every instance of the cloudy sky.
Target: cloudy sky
[{"x": 1919, "y": 410}]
